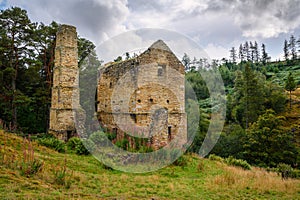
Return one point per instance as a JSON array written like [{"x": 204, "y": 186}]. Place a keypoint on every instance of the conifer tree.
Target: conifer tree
[
  {"x": 290, "y": 85},
  {"x": 292, "y": 46},
  {"x": 286, "y": 50}
]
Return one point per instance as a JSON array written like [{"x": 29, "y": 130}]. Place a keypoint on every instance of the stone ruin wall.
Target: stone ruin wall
[
  {"x": 142, "y": 89},
  {"x": 65, "y": 92}
]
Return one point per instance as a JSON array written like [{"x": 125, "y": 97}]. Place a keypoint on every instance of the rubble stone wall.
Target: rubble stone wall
[{"x": 65, "y": 92}]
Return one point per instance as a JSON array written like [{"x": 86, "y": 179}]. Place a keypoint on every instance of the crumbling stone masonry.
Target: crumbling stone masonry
[
  {"x": 65, "y": 92},
  {"x": 144, "y": 96}
]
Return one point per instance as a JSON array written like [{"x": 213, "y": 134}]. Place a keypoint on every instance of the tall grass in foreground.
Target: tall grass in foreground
[{"x": 258, "y": 179}]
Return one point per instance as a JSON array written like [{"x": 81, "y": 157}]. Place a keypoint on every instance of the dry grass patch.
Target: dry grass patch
[{"x": 257, "y": 179}]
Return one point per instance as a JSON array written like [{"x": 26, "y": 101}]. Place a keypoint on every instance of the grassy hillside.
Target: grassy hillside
[{"x": 68, "y": 176}]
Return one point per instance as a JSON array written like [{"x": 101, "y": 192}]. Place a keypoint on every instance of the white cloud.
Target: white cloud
[
  {"x": 138, "y": 41},
  {"x": 266, "y": 18},
  {"x": 216, "y": 51}
]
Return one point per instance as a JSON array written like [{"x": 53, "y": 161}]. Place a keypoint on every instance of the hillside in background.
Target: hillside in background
[{"x": 69, "y": 176}]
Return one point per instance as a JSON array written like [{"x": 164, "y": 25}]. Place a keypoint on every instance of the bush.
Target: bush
[
  {"x": 295, "y": 173},
  {"x": 52, "y": 143},
  {"x": 182, "y": 161},
  {"x": 287, "y": 171},
  {"x": 215, "y": 158},
  {"x": 98, "y": 138},
  {"x": 75, "y": 144},
  {"x": 238, "y": 162}
]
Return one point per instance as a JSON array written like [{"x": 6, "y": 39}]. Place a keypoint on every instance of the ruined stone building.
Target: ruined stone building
[
  {"x": 65, "y": 90},
  {"x": 143, "y": 96}
]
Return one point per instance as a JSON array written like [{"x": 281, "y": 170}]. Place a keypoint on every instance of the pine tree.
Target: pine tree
[
  {"x": 252, "y": 52},
  {"x": 264, "y": 57},
  {"x": 186, "y": 61},
  {"x": 292, "y": 46},
  {"x": 246, "y": 51},
  {"x": 298, "y": 43},
  {"x": 256, "y": 52},
  {"x": 233, "y": 55},
  {"x": 290, "y": 85},
  {"x": 17, "y": 27},
  {"x": 253, "y": 95},
  {"x": 286, "y": 50},
  {"x": 241, "y": 53}
]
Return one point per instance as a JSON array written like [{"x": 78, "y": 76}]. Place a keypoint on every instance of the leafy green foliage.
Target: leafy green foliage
[
  {"x": 77, "y": 145},
  {"x": 238, "y": 162},
  {"x": 268, "y": 144},
  {"x": 290, "y": 85},
  {"x": 215, "y": 158},
  {"x": 231, "y": 161},
  {"x": 182, "y": 161},
  {"x": 52, "y": 143}
]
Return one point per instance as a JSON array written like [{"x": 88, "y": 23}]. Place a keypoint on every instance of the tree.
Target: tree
[
  {"x": 292, "y": 46},
  {"x": 17, "y": 48},
  {"x": 256, "y": 52},
  {"x": 298, "y": 42},
  {"x": 286, "y": 50},
  {"x": 264, "y": 57},
  {"x": 290, "y": 85},
  {"x": 253, "y": 95},
  {"x": 268, "y": 144},
  {"x": 252, "y": 52},
  {"x": 246, "y": 51},
  {"x": 275, "y": 97},
  {"x": 241, "y": 53},
  {"x": 248, "y": 96},
  {"x": 186, "y": 61},
  {"x": 233, "y": 55}
]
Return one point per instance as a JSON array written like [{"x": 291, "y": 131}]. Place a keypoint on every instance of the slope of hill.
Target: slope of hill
[{"x": 30, "y": 171}]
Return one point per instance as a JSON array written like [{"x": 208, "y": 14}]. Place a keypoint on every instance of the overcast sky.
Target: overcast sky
[{"x": 215, "y": 25}]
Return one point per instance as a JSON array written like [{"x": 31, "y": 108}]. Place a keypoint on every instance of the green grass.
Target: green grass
[{"x": 88, "y": 179}]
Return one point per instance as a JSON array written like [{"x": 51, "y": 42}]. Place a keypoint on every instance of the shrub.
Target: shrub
[
  {"x": 182, "y": 161},
  {"x": 52, "y": 143},
  {"x": 215, "y": 157},
  {"x": 287, "y": 171},
  {"x": 76, "y": 144},
  {"x": 98, "y": 138},
  {"x": 295, "y": 173},
  {"x": 238, "y": 162}
]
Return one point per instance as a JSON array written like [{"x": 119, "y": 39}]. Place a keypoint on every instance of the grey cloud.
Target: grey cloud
[
  {"x": 95, "y": 19},
  {"x": 262, "y": 18}
]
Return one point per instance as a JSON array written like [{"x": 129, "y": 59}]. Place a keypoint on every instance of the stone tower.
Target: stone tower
[{"x": 65, "y": 90}]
